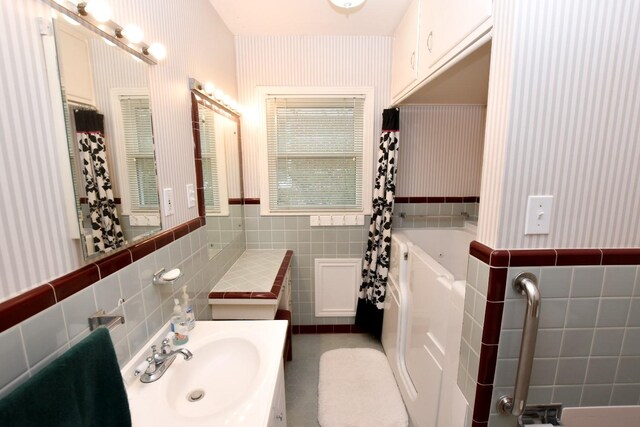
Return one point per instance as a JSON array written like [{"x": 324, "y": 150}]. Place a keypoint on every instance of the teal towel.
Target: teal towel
[{"x": 83, "y": 387}]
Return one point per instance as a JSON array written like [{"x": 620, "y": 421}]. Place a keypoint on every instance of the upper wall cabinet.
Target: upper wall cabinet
[
  {"x": 405, "y": 50},
  {"x": 445, "y": 29}
]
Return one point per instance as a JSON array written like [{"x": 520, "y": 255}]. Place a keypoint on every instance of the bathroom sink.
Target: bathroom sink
[
  {"x": 230, "y": 379},
  {"x": 220, "y": 375}
]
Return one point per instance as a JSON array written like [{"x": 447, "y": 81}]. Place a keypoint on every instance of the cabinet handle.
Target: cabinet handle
[
  {"x": 429, "y": 40},
  {"x": 413, "y": 60}
]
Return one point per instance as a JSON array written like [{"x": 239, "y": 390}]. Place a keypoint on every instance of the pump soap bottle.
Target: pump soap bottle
[
  {"x": 187, "y": 306},
  {"x": 179, "y": 325}
]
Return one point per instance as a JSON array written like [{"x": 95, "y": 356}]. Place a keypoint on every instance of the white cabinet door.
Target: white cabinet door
[
  {"x": 446, "y": 23},
  {"x": 404, "y": 69},
  {"x": 278, "y": 415}
]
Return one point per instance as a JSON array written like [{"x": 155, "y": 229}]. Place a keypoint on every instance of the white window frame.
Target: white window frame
[
  {"x": 368, "y": 142},
  {"x": 121, "y": 152},
  {"x": 221, "y": 130}
]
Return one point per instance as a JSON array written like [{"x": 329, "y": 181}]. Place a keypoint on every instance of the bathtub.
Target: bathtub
[
  {"x": 598, "y": 416},
  {"x": 423, "y": 321}
]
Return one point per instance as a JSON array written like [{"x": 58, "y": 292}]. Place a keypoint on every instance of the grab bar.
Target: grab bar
[{"x": 525, "y": 284}]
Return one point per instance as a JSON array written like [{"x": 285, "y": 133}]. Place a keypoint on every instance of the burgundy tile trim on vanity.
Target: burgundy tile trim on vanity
[
  {"x": 181, "y": 231},
  {"x": 77, "y": 280},
  {"x": 272, "y": 294},
  {"x": 27, "y": 304}
]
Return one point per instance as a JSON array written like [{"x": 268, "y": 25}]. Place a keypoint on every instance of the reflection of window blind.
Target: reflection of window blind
[
  {"x": 208, "y": 150},
  {"x": 138, "y": 137},
  {"x": 315, "y": 153}
]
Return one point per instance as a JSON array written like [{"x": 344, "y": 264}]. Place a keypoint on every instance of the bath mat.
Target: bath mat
[{"x": 357, "y": 388}]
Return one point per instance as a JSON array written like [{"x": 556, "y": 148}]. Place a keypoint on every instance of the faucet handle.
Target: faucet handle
[{"x": 166, "y": 346}]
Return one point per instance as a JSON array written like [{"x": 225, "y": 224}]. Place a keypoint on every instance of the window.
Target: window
[
  {"x": 141, "y": 165},
  {"x": 212, "y": 137},
  {"x": 135, "y": 154},
  {"x": 318, "y": 152}
]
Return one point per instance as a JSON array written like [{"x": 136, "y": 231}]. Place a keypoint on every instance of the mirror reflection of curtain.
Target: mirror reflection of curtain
[{"x": 106, "y": 231}]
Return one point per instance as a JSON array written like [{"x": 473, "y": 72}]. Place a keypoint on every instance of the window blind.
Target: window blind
[
  {"x": 315, "y": 153},
  {"x": 208, "y": 149},
  {"x": 138, "y": 137}
]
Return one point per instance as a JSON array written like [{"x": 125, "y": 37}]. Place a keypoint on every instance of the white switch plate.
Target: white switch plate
[
  {"x": 167, "y": 194},
  {"x": 538, "y": 217},
  {"x": 191, "y": 196}
]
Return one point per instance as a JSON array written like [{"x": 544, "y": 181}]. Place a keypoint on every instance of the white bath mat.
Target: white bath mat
[{"x": 357, "y": 388}]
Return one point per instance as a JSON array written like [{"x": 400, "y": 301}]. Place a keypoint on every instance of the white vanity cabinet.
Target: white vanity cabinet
[
  {"x": 405, "y": 50},
  {"x": 433, "y": 33},
  {"x": 278, "y": 416}
]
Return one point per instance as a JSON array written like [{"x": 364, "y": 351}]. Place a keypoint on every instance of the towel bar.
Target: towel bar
[
  {"x": 100, "y": 318},
  {"x": 525, "y": 284}
]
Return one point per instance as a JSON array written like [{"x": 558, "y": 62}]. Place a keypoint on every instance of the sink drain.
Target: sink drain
[{"x": 195, "y": 395}]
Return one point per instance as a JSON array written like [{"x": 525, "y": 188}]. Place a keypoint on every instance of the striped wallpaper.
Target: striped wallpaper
[
  {"x": 305, "y": 61},
  {"x": 35, "y": 245},
  {"x": 440, "y": 150},
  {"x": 563, "y": 113}
]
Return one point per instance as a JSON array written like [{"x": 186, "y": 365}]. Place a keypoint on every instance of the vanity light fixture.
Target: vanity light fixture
[
  {"x": 208, "y": 94},
  {"x": 96, "y": 16},
  {"x": 347, "y": 4}
]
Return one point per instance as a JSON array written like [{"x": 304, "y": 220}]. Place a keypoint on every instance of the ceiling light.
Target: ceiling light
[{"x": 347, "y": 4}]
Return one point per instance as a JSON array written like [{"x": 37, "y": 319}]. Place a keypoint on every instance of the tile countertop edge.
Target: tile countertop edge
[{"x": 265, "y": 297}]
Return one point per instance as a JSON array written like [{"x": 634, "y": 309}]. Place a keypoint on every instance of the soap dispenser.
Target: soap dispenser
[
  {"x": 187, "y": 306},
  {"x": 179, "y": 325}
]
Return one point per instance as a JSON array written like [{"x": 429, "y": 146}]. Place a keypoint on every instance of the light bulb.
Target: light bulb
[
  {"x": 218, "y": 94},
  {"x": 99, "y": 9},
  {"x": 158, "y": 51},
  {"x": 209, "y": 88},
  {"x": 133, "y": 33},
  {"x": 226, "y": 100}
]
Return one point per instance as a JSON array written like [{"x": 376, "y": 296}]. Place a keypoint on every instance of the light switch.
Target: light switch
[
  {"x": 538, "y": 217},
  {"x": 325, "y": 220},
  {"x": 314, "y": 220},
  {"x": 337, "y": 219},
  {"x": 169, "y": 209}
]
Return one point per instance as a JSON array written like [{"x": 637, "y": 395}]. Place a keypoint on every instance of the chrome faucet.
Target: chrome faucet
[{"x": 159, "y": 362}]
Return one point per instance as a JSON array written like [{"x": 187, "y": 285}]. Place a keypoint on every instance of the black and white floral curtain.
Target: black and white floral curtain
[
  {"x": 376, "y": 260},
  {"x": 105, "y": 225}
]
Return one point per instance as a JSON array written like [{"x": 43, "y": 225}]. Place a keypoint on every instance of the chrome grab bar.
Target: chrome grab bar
[{"x": 525, "y": 284}]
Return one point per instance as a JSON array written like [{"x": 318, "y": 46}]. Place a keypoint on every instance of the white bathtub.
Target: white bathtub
[
  {"x": 423, "y": 321},
  {"x": 598, "y": 416}
]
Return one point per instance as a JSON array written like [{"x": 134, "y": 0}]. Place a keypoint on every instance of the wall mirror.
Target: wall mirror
[
  {"x": 216, "y": 134},
  {"x": 107, "y": 111}
]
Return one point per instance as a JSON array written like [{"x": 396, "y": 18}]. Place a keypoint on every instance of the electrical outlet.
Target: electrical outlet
[
  {"x": 191, "y": 196},
  {"x": 169, "y": 209}
]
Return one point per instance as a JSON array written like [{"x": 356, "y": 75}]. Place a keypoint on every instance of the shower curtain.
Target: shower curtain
[
  {"x": 376, "y": 260},
  {"x": 105, "y": 225}
]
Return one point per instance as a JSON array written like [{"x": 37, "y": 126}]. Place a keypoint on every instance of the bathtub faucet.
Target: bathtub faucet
[{"x": 465, "y": 215}]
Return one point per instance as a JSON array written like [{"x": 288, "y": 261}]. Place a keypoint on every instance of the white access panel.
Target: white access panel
[{"x": 336, "y": 286}]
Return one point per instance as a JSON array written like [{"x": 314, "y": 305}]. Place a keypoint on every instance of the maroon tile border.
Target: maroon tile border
[
  {"x": 75, "y": 281},
  {"x": 251, "y": 201},
  {"x": 532, "y": 257},
  {"x": 27, "y": 304},
  {"x": 441, "y": 199},
  {"x": 578, "y": 257},
  {"x": 233, "y": 201},
  {"x": 487, "y": 366},
  {"x": 497, "y": 284},
  {"x": 492, "y": 322},
  {"x": 629, "y": 256},
  {"x": 272, "y": 294},
  {"x": 482, "y": 404}
]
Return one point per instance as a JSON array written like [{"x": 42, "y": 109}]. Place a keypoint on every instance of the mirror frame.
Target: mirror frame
[{"x": 199, "y": 97}]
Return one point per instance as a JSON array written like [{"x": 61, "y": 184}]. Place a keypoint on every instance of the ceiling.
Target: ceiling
[{"x": 310, "y": 17}]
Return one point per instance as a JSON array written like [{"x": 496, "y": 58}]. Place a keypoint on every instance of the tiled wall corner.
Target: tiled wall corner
[
  {"x": 33, "y": 343},
  {"x": 307, "y": 243},
  {"x": 475, "y": 301},
  {"x": 588, "y": 346}
]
